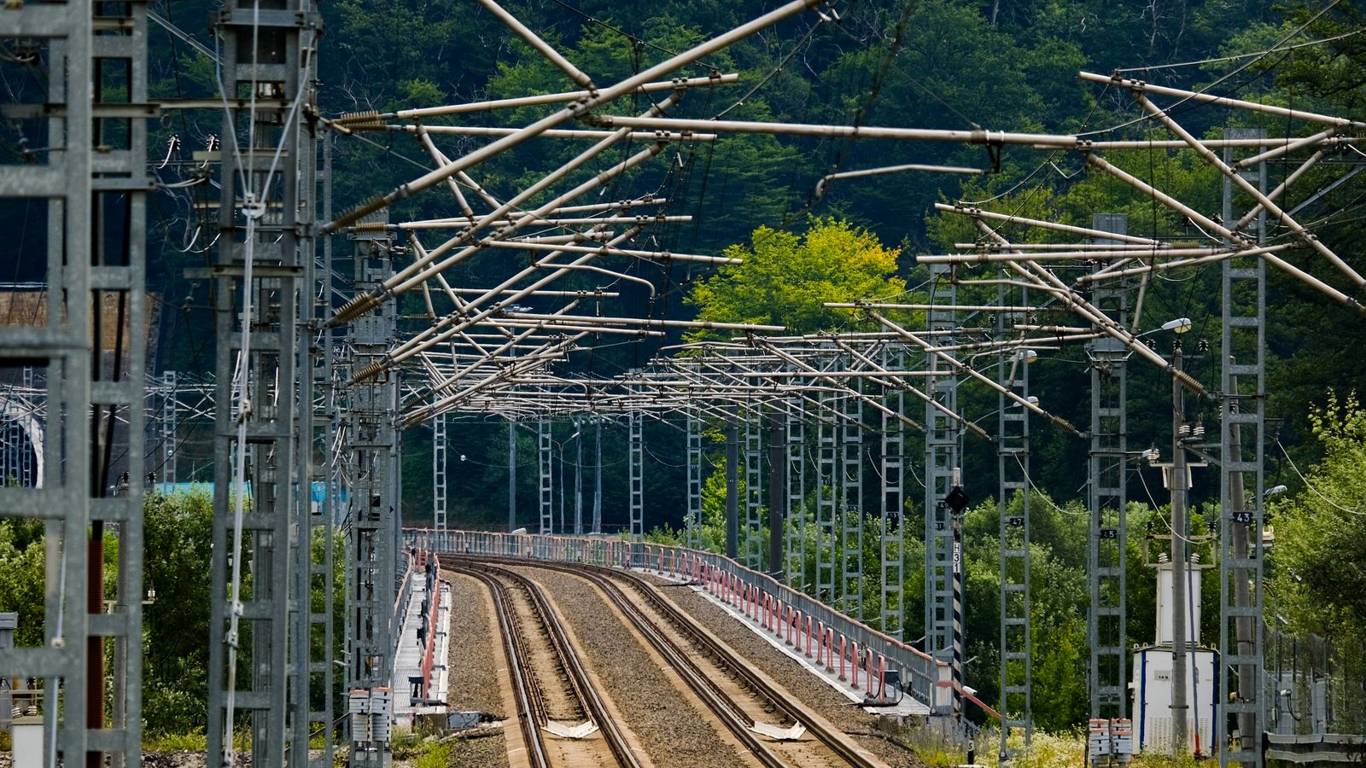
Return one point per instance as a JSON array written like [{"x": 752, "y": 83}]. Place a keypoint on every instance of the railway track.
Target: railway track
[
  {"x": 547, "y": 674},
  {"x": 725, "y": 683}
]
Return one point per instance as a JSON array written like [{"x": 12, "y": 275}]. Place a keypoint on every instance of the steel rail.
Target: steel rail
[
  {"x": 589, "y": 699},
  {"x": 605, "y": 579},
  {"x": 530, "y": 710}
]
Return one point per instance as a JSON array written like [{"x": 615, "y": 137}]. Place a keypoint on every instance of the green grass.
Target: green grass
[
  {"x": 436, "y": 755},
  {"x": 1046, "y": 750}
]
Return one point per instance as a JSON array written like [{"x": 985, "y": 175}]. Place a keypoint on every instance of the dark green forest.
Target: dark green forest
[
  {"x": 935, "y": 64},
  {"x": 999, "y": 65}
]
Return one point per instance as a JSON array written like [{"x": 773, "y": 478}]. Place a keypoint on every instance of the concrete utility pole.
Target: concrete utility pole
[
  {"x": 732, "y": 488},
  {"x": 1178, "y": 483}
]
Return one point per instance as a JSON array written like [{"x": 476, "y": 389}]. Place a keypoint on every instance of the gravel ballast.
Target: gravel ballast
[
  {"x": 672, "y": 732},
  {"x": 474, "y": 682},
  {"x": 808, "y": 689}
]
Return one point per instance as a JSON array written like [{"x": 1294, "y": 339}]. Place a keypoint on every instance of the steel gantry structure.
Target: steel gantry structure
[{"x": 317, "y": 374}]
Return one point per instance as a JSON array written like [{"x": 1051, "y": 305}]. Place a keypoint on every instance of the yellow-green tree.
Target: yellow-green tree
[{"x": 785, "y": 278}]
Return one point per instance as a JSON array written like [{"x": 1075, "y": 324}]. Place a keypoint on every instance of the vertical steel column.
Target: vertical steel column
[
  {"x": 636, "y": 463},
  {"x": 324, "y": 466},
  {"x": 512, "y": 475},
  {"x": 1241, "y": 490},
  {"x": 373, "y": 555},
  {"x": 544, "y": 448},
  {"x": 892, "y": 544},
  {"x": 597, "y": 477},
  {"x": 439, "y": 472},
  {"x": 578, "y": 478},
  {"x": 733, "y": 484},
  {"x": 943, "y": 620},
  {"x": 796, "y": 493},
  {"x": 119, "y": 187},
  {"x": 777, "y": 492},
  {"x": 308, "y": 527},
  {"x": 262, "y": 280},
  {"x": 168, "y": 426},
  {"x": 1107, "y": 476},
  {"x": 827, "y": 490},
  {"x": 1012, "y": 463},
  {"x": 693, "y": 431},
  {"x": 60, "y": 342},
  {"x": 752, "y": 543},
  {"x": 851, "y": 503}
]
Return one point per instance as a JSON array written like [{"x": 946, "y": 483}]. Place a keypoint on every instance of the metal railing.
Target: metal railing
[{"x": 924, "y": 678}]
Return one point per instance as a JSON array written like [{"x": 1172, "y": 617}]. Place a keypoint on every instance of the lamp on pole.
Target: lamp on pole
[{"x": 1176, "y": 477}]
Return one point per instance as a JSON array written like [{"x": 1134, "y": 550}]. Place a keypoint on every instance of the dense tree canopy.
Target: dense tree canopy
[{"x": 786, "y": 278}]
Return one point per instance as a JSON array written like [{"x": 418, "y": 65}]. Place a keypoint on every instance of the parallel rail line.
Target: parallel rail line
[
  {"x": 532, "y": 712},
  {"x": 728, "y": 711}
]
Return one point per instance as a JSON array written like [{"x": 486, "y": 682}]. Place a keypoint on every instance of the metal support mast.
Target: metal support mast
[
  {"x": 851, "y": 503},
  {"x": 752, "y": 543},
  {"x": 544, "y": 448},
  {"x": 265, "y": 250},
  {"x": 1241, "y": 487},
  {"x": 512, "y": 475},
  {"x": 635, "y": 422},
  {"x": 1107, "y": 473},
  {"x": 597, "y": 478},
  {"x": 167, "y": 424},
  {"x": 796, "y": 494},
  {"x": 1012, "y": 462},
  {"x": 309, "y": 564},
  {"x": 943, "y": 563},
  {"x": 118, "y": 280},
  {"x": 732, "y": 486},
  {"x": 827, "y": 490},
  {"x": 439, "y": 472},
  {"x": 372, "y": 553},
  {"x": 59, "y": 343},
  {"x": 324, "y": 467},
  {"x": 578, "y": 478},
  {"x": 693, "y": 524},
  {"x": 892, "y": 545}
]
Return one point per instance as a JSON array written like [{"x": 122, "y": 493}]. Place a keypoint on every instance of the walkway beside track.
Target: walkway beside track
[
  {"x": 797, "y": 649},
  {"x": 410, "y": 654}
]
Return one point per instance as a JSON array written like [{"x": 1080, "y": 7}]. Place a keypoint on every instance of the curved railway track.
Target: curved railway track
[
  {"x": 529, "y": 685},
  {"x": 835, "y": 747}
]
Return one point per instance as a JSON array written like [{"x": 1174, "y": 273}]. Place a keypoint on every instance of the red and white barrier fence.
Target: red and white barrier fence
[{"x": 862, "y": 655}]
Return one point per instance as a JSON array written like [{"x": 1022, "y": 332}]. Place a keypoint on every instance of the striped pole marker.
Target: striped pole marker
[{"x": 956, "y": 668}]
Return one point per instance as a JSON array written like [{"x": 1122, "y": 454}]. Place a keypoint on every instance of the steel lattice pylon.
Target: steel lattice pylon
[
  {"x": 544, "y": 463},
  {"x": 372, "y": 548},
  {"x": 167, "y": 427},
  {"x": 439, "y": 472},
  {"x": 892, "y": 545},
  {"x": 60, "y": 344},
  {"x": 636, "y": 462},
  {"x": 264, "y": 268},
  {"x": 943, "y": 607},
  {"x": 795, "y": 483},
  {"x": 827, "y": 490},
  {"x": 1107, "y": 476},
  {"x": 1242, "y": 435},
  {"x": 751, "y": 543},
  {"x": 1012, "y": 462},
  {"x": 851, "y": 504},
  {"x": 693, "y": 436}
]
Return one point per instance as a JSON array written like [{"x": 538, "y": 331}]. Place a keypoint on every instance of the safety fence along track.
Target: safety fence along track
[
  {"x": 739, "y": 697},
  {"x": 548, "y": 678}
]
